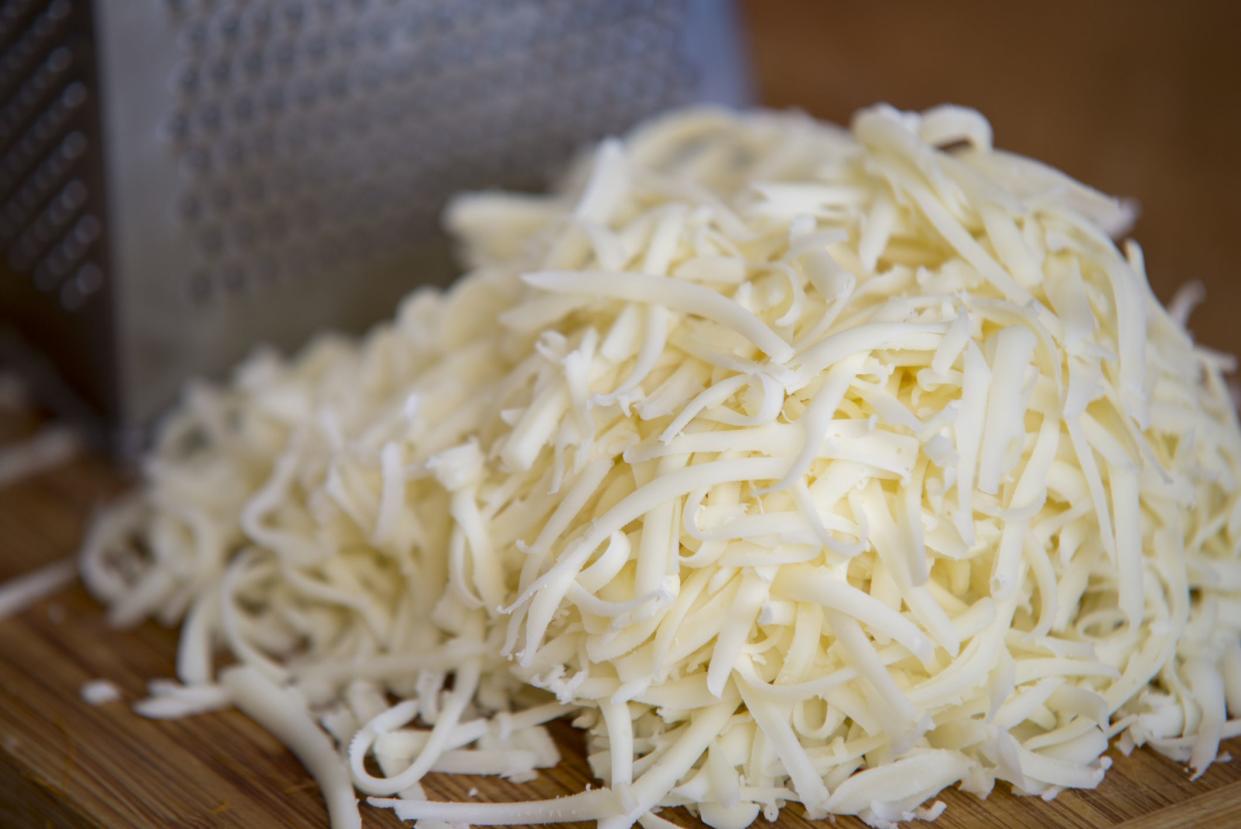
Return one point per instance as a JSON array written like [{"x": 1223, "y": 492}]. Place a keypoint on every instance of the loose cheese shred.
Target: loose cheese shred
[
  {"x": 99, "y": 692},
  {"x": 50, "y": 447},
  {"x": 18, "y": 594},
  {"x": 800, "y": 465},
  {"x": 282, "y": 712}
]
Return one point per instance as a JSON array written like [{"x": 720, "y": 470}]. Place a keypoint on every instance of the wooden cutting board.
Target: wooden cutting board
[{"x": 64, "y": 763}]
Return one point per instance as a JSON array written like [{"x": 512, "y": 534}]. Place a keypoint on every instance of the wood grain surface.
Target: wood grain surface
[
  {"x": 1140, "y": 98},
  {"x": 64, "y": 763}
]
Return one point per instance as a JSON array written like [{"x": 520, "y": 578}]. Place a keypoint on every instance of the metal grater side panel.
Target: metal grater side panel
[
  {"x": 55, "y": 287},
  {"x": 279, "y": 168},
  {"x": 160, "y": 340}
]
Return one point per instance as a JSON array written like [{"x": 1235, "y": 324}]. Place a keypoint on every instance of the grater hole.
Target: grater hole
[
  {"x": 209, "y": 118},
  {"x": 58, "y": 213},
  {"x": 178, "y": 127},
  {"x": 266, "y": 270},
  {"x": 232, "y": 278},
  {"x": 11, "y": 14},
  {"x": 294, "y": 14},
  {"x": 72, "y": 196},
  {"x": 191, "y": 208},
  {"x": 274, "y": 101},
  {"x": 198, "y": 159},
  {"x": 88, "y": 278},
  {"x": 58, "y": 11},
  {"x": 87, "y": 230},
  {"x": 72, "y": 147},
  {"x": 221, "y": 72},
  {"x": 230, "y": 27},
  {"x": 347, "y": 41},
  {"x": 308, "y": 93},
  {"x": 199, "y": 287},
  {"x": 337, "y": 84},
  {"x": 379, "y": 33},
  {"x": 259, "y": 24},
  {"x": 189, "y": 81},
  {"x": 326, "y": 10},
  {"x": 276, "y": 226},
  {"x": 246, "y": 234},
  {"x": 196, "y": 36},
  {"x": 60, "y": 60},
  {"x": 211, "y": 240},
  {"x": 234, "y": 152},
  {"x": 253, "y": 64},
  {"x": 317, "y": 49},
  {"x": 63, "y": 258},
  {"x": 73, "y": 96},
  {"x": 284, "y": 56},
  {"x": 254, "y": 189}
]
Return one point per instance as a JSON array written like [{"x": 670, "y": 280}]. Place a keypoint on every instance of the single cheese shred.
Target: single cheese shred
[
  {"x": 796, "y": 464},
  {"x": 99, "y": 692}
]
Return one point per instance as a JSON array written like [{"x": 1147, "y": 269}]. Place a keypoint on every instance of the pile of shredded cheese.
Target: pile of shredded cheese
[{"x": 800, "y": 465}]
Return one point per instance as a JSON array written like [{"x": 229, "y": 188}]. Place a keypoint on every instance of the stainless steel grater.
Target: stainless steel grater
[{"x": 183, "y": 179}]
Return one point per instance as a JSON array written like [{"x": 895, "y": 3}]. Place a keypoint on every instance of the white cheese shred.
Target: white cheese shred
[
  {"x": 21, "y": 592},
  {"x": 99, "y": 692},
  {"x": 50, "y": 447},
  {"x": 280, "y": 711}
]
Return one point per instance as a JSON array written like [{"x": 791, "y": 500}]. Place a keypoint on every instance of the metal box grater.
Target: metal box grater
[{"x": 183, "y": 179}]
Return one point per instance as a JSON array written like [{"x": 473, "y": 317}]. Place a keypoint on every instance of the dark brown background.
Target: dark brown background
[{"x": 1141, "y": 99}]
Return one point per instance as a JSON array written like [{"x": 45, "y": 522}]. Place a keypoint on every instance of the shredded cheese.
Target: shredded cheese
[
  {"x": 50, "y": 447},
  {"x": 798, "y": 464},
  {"x": 19, "y": 593},
  {"x": 99, "y": 692}
]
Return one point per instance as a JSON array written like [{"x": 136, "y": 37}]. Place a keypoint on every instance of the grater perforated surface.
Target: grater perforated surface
[
  {"x": 48, "y": 223},
  {"x": 314, "y": 138},
  {"x": 274, "y": 168},
  {"x": 53, "y": 238}
]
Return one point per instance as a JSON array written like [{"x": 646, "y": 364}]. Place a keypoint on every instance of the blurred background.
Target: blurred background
[{"x": 183, "y": 179}]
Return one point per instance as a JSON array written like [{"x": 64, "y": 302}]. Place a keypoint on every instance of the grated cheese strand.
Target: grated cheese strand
[
  {"x": 18, "y": 594},
  {"x": 284, "y": 715}
]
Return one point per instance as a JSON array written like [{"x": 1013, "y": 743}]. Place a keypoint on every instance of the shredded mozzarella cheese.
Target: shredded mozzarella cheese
[
  {"x": 50, "y": 447},
  {"x": 99, "y": 692},
  {"x": 800, "y": 464},
  {"x": 19, "y": 593}
]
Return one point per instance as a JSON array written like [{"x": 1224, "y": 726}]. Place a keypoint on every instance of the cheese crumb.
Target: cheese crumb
[{"x": 99, "y": 692}]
